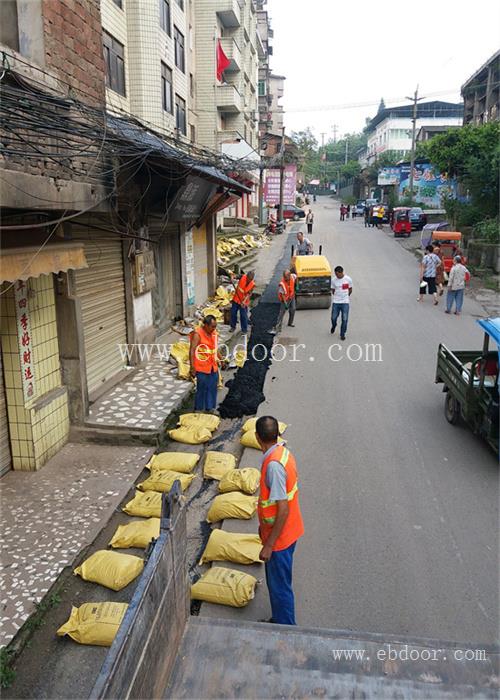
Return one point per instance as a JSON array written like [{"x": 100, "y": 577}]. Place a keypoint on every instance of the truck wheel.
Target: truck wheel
[{"x": 451, "y": 409}]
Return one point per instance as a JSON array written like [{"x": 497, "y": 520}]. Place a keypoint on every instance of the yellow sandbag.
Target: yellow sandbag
[
  {"x": 232, "y": 505},
  {"x": 180, "y": 352},
  {"x": 138, "y": 533},
  {"x": 182, "y": 462},
  {"x": 111, "y": 569},
  {"x": 162, "y": 480},
  {"x": 232, "y": 546},
  {"x": 190, "y": 436},
  {"x": 144, "y": 505},
  {"x": 200, "y": 420},
  {"x": 240, "y": 358},
  {"x": 225, "y": 587},
  {"x": 246, "y": 480},
  {"x": 94, "y": 623},
  {"x": 250, "y": 425},
  {"x": 217, "y": 464},
  {"x": 249, "y": 439},
  {"x": 213, "y": 311}
]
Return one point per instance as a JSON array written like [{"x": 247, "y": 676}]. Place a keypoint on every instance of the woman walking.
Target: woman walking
[
  {"x": 439, "y": 271},
  {"x": 457, "y": 279}
]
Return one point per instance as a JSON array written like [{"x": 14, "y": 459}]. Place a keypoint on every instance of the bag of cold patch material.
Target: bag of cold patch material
[
  {"x": 232, "y": 505},
  {"x": 217, "y": 464},
  {"x": 94, "y": 623},
  {"x": 225, "y": 587},
  {"x": 162, "y": 480},
  {"x": 138, "y": 533},
  {"x": 190, "y": 435},
  {"x": 110, "y": 569},
  {"x": 200, "y": 420},
  {"x": 182, "y": 462},
  {"x": 249, "y": 439},
  {"x": 237, "y": 547},
  {"x": 246, "y": 480},
  {"x": 250, "y": 425},
  {"x": 144, "y": 505}
]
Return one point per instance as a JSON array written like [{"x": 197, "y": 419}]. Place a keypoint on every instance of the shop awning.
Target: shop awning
[{"x": 33, "y": 261}]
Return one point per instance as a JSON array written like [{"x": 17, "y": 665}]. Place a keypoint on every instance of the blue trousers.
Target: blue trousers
[
  {"x": 279, "y": 584},
  {"x": 457, "y": 296},
  {"x": 243, "y": 316},
  {"x": 206, "y": 391},
  {"x": 343, "y": 310}
]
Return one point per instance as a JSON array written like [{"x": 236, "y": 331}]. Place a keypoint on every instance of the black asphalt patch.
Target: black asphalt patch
[{"x": 245, "y": 389}]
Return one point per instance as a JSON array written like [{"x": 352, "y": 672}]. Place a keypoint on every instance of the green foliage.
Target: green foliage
[
  {"x": 472, "y": 155},
  {"x": 462, "y": 214},
  {"x": 333, "y": 167},
  {"x": 351, "y": 169},
  {"x": 7, "y": 673},
  {"x": 488, "y": 230}
]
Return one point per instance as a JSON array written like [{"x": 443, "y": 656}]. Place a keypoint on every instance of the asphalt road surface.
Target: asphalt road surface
[{"x": 400, "y": 508}]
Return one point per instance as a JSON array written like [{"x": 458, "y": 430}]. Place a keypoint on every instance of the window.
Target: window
[
  {"x": 165, "y": 22},
  {"x": 262, "y": 88},
  {"x": 192, "y": 132},
  {"x": 119, "y": 4},
  {"x": 115, "y": 63},
  {"x": 179, "y": 50},
  {"x": 180, "y": 3},
  {"x": 167, "y": 88},
  {"x": 180, "y": 114},
  {"x": 191, "y": 84}
]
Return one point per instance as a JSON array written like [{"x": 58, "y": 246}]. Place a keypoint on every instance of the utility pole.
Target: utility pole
[
  {"x": 282, "y": 175},
  {"x": 346, "y": 150},
  {"x": 415, "y": 100},
  {"x": 323, "y": 155},
  {"x": 335, "y": 129}
]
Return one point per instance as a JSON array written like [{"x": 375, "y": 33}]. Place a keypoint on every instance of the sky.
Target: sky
[{"x": 338, "y": 54}]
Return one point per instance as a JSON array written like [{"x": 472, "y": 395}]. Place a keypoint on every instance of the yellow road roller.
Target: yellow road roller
[{"x": 313, "y": 282}]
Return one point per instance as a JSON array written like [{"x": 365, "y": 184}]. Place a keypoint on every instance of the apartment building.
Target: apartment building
[
  {"x": 276, "y": 89},
  {"x": 265, "y": 33},
  {"x": 481, "y": 93}
]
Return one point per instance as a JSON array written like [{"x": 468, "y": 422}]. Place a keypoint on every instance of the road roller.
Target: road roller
[{"x": 313, "y": 282}]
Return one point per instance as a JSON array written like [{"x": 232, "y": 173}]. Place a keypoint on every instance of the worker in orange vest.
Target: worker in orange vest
[
  {"x": 204, "y": 359},
  {"x": 241, "y": 301},
  {"x": 286, "y": 296},
  {"x": 280, "y": 519}
]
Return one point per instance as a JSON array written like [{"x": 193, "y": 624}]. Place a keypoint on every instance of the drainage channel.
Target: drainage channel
[{"x": 245, "y": 389}]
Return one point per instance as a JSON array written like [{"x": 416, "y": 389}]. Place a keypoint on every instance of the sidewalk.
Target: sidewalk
[{"x": 49, "y": 516}]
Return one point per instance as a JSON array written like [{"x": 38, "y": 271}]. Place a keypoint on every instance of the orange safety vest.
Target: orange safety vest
[
  {"x": 205, "y": 355},
  {"x": 267, "y": 509},
  {"x": 286, "y": 290},
  {"x": 242, "y": 294}
]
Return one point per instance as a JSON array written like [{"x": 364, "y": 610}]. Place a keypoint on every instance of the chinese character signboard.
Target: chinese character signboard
[
  {"x": 272, "y": 186},
  {"x": 191, "y": 200},
  {"x": 429, "y": 185},
  {"x": 25, "y": 340},
  {"x": 190, "y": 291},
  {"x": 388, "y": 176}
]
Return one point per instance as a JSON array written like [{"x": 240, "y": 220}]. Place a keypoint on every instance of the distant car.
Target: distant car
[
  {"x": 359, "y": 207},
  {"x": 417, "y": 218},
  {"x": 290, "y": 211},
  {"x": 371, "y": 202}
]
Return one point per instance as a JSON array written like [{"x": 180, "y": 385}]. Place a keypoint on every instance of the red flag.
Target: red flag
[{"x": 222, "y": 61}]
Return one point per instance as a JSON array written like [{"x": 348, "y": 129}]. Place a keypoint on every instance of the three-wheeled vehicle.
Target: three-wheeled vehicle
[
  {"x": 470, "y": 379},
  {"x": 450, "y": 243},
  {"x": 400, "y": 222},
  {"x": 429, "y": 230}
]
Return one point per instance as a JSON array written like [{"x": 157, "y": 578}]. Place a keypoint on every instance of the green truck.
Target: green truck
[{"x": 470, "y": 381}]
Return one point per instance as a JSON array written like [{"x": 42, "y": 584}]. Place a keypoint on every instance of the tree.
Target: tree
[
  {"x": 307, "y": 144},
  {"x": 472, "y": 155}
]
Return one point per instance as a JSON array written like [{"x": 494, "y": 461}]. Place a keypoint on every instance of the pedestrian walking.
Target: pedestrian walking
[
  {"x": 280, "y": 519},
  {"x": 366, "y": 212},
  {"x": 378, "y": 213},
  {"x": 428, "y": 267},
  {"x": 304, "y": 245},
  {"x": 241, "y": 301},
  {"x": 204, "y": 361},
  {"x": 347, "y": 211},
  {"x": 457, "y": 279},
  {"x": 439, "y": 271},
  {"x": 341, "y": 290},
  {"x": 309, "y": 221},
  {"x": 286, "y": 296},
  {"x": 343, "y": 210}
]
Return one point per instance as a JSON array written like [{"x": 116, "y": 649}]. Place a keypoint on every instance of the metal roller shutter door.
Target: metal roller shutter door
[
  {"x": 5, "y": 458},
  {"x": 101, "y": 290}
]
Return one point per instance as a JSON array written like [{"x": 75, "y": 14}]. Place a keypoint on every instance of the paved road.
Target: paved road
[{"x": 401, "y": 509}]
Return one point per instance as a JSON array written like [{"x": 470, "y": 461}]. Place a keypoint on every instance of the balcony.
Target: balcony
[
  {"x": 229, "y": 13},
  {"x": 229, "y": 99},
  {"x": 232, "y": 51}
]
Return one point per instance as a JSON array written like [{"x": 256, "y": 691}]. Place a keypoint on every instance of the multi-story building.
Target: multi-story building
[
  {"x": 481, "y": 93},
  {"x": 265, "y": 33},
  {"x": 276, "y": 88},
  {"x": 391, "y": 129}
]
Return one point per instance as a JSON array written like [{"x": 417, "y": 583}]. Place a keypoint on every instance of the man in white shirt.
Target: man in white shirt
[{"x": 341, "y": 290}]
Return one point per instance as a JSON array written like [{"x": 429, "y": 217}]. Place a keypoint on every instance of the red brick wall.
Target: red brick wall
[{"x": 73, "y": 46}]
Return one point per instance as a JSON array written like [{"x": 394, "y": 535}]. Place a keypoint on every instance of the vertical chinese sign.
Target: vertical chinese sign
[
  {"x": 25, "y": 340},
  {"x": 190, "y": 291}
]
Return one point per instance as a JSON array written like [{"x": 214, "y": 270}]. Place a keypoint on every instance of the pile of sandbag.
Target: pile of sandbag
[
  {"x": 229, "y": 248},
  {"x": 249, "y": 436},
  {"x": 194, "y": 428}
]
